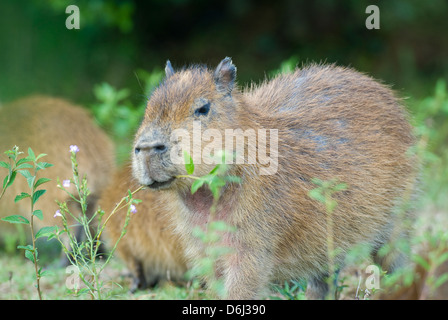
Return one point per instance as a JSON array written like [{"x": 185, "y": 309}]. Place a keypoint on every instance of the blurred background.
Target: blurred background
[
  {"x": 111, "y": 64},
  {"x": 118, "y": 37}
]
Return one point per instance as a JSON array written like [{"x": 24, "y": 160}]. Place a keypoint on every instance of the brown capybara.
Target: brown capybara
[
  {"x": 51, "y": 125},
  {"x": 150, "y": 249},
  {"x": 324, "y": 122}
]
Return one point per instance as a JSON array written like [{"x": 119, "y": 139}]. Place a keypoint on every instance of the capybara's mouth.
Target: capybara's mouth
[{"x": 156, "y": 185}]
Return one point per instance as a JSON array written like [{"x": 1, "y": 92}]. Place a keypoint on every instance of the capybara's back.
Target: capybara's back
[
  {"x": 150, "y": 248},
  {"x": 51, "y": 125},
  {"x": 324, "y": 122}
]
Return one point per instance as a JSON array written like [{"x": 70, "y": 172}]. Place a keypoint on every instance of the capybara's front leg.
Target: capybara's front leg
[{"x": 247, "y": 275}]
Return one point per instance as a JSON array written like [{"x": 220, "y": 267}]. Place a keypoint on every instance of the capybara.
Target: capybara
[
  {"x": 150, "y": 249},
  {"x": 324, "y": 121},
  {"x": 51, "y": 125}
]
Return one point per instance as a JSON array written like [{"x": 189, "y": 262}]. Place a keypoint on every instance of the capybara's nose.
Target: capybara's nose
[{"x": 156, "y": 147}]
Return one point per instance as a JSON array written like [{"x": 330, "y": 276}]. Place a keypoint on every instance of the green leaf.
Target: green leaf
[
  {"x": 45, "y": 273},
  {"x": 422, "y": 262},
  {"x": 38, "y": 213},
  {"x": 330, "y": 205},
  {"x": 29, "y": 255},
  {"x": 21, "y": 196},
  {"x": 41, "y": 181},
  {"x": 43, "y": 165},
  {"x": 4, "y": 165},
  {"x": 16, "y": 219},
  {"x": 189, "y": 165},
  {"x": 5, "y": 181},
  {"x": 23, "y": 160},
  {"x": 215, "y": 185},
  {"x": 51, "y": 236},
  {"x": 24, "y": 166},
  {"x": 316, "y": 194},
  {"x": 340, "y": 187},
  {"x": 441, "y": 259},
  {"x": 46, "y": 232},
  {"x": 25, "y": 173},
  {"x": 11, "y": 179},
  {"x": 440, "y": 280},
  {"x": 196, "y": 185},
  {"x": 215, "y": 169},
  {"x": 40, "y": 156},
  {"x": 30, "y": 182},
  {"x": 234, "y": 179},
  {"x": 37, "y": 195},
  {"x": 31, "y": 154},
  {"x": 199, "y": 233},
  {"x": 27, "y": 247},
  {"x": 219, "y": 225}
]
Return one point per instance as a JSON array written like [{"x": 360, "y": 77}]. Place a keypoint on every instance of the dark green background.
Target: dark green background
[{"x": 39, "y": 55}]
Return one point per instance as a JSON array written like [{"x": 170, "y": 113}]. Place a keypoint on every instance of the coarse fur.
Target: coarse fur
[
  {"x": 50, "y": 125},
  {"x": 150, "y": 249},
  {"x": 332, "y": 122}
]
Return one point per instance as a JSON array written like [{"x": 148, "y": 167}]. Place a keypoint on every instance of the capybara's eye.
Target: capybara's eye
[{"x": 202, "y": 111}]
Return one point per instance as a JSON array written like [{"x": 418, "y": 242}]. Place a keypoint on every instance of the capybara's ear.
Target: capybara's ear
[
  {"x": 225, "y": 75},
  {"x": 169, "y": 71}
]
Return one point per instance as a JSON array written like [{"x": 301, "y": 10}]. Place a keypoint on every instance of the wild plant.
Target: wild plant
[
  {"x": 28, "y": 167},
  {"x": 84, "y": 254}
]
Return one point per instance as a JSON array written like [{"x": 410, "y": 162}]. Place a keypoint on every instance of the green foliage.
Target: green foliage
[
  {"x": 97, "y": 12},
  {"x": 117, "y": 114},
  {"x": 430, "y": 115},
  {"x": 286, "y": 66},
  {"x": 291, "y": 290},
  {"x": 215, "y": 180},
  {"x": 436, "y": 256},
  {"x": 13, "y": 166},
  {"x": 214, "y": 230},
  {"x": 324, "y": 194},
  {"x": 189, "y": 165},
  {"x": 21, "y": 166}
]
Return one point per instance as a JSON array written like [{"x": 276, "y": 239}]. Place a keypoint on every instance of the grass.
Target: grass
[{"x": 17, "y": 275}]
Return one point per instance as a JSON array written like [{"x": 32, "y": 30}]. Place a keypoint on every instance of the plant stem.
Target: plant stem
[
  {"x": 188, "y": 176},
  {"x": 115, "y": 210},
  {"x": 34, "y": 242},
  {"x": 330, "y": 246},
  {"x": 35, "y": 256}
]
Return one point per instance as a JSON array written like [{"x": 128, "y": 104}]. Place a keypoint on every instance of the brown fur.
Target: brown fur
[
  {"x": 332, "y": 122},
  {"x": 50, "y": 125},
  {"x": 149, "y": 248}
]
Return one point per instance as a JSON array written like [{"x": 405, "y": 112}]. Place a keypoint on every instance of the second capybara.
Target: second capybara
[
  {"x": 150, "y": 249},
  {"x": 324, "y": 121},
  {"x": 51, "y": 125}
]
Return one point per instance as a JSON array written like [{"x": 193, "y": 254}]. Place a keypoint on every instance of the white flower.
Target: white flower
[
  {"x": 74, "y": 148},
  {"x": 133, "y": 208},
  {"x": 57, "y": 214},
  {"x": 66, "y": 183}
]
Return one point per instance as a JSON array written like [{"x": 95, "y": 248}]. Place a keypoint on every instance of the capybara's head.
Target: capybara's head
[{"x": 186, "y": 112}]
